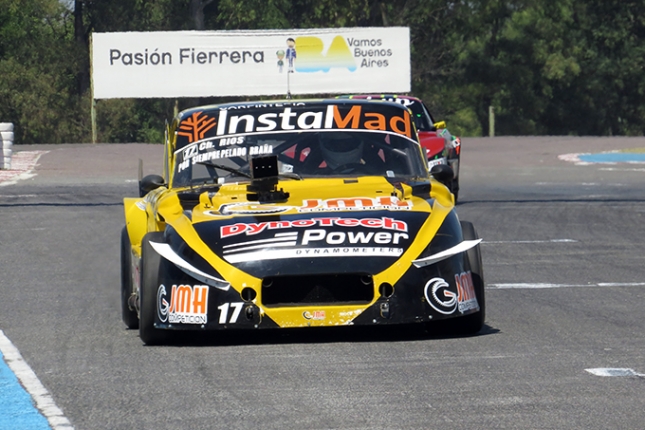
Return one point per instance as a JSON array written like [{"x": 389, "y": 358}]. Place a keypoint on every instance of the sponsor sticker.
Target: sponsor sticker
[
  {"x": 444, "y": 300},
  {"x": 203, "y": 132},
  {"x": 247, "y": 208},
  {"x": 440, "y": 297},
  {"x": 358, "y": 117},
  {"x": 250, "y": 229},
  {"x": 195, "y": 126},
  {"x": 466, "y": 298},
  {"x": 315, "y": 315},
  {"x": 390, "y": 203},
  {"x": 193, "y": 154},
  {"x": 346, "y": 251},
  {"x": 437, "y": 162},
  {"x": 186, "y": 304},
  {"x": 314, "y": 238}
]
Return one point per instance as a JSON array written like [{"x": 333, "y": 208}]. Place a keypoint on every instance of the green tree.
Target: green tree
[
  {"x": 438, "y": 33},
  {"x": 555, "y": 67},
  {"x": 607, "y": 96},
  {"x": 547, "y": 67},
  {"x": 37, "y": 72}
]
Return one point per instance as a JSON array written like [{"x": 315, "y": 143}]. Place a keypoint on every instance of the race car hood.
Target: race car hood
[
  {"x": 324, "y": 226},
  {"x": 432, "y": 143}
]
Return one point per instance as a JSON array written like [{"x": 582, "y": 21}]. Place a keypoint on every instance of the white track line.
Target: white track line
[
  {"x": 43, "y": 400},
  {"x": 613, "y": 371},
  {"x": 487, "y": 242},
  {"x": 537, "y": 286},
  {"x": 615, "y": 169}
]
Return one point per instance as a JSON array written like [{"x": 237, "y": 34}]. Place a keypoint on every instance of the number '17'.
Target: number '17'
[{"x": 223, "y": 314}]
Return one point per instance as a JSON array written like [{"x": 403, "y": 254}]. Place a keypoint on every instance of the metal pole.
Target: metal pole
[
  {"x": 491, "y": 121},
  {"x": 288, "y": 85},
  {"x": 93, "y": 115},
  {"x": 93, "y": 102}
]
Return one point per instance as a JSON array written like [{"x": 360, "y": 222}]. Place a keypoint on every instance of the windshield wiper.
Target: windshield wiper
[
  {"x": 288, "y": 175},
  {"x": 225, "y": 168}
]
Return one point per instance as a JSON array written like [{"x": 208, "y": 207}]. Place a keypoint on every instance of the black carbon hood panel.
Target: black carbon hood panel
[{"x": 284, "y": 245}]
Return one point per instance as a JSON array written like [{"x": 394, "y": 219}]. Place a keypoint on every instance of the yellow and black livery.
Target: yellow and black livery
[{"x": 284, "y": 214}]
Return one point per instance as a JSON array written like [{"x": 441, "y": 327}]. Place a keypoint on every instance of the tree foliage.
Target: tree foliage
[
  {"x": 546, "y": 67},
  {"x": 34, "y": 81}
]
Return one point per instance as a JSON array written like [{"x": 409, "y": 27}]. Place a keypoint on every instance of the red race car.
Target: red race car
[{"x": 440, "y": 145}]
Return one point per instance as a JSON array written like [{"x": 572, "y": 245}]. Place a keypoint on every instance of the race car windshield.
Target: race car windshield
[{"x": 301, "y": 154}]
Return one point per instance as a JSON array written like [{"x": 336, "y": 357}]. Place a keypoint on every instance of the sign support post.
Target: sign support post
[{"x": 92, "y": 100}]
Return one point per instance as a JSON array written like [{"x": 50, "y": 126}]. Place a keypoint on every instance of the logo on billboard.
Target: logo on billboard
[{"x": 312, "y": 58}]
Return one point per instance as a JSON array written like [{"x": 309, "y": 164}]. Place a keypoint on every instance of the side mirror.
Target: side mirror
[
  {"x": 439, "y": 125},
  {"x": 149, "y": 183},
  {"x": 443, "y": 174}
]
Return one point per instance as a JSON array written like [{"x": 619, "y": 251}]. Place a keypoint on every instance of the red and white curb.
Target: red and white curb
[
  {"x": 23, "y": 164},
  {"x": 573, "y": 158}
]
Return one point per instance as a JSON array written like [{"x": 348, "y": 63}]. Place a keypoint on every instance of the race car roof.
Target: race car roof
[
  {"x": 413, "y": 103},
  {"x": 389, "y": 97},
  {"x": 285, "y": 116}
]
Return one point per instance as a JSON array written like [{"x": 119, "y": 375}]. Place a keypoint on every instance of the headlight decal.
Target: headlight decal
[
  {"x": 435, "y": 258},
  {"x": 166, "y": 252}
]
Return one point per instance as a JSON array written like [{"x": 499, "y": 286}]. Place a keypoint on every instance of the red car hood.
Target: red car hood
[{"x": 433, "y": 144}]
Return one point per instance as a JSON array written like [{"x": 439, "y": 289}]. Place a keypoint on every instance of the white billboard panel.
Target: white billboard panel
[{"x": 253, "y": 63}]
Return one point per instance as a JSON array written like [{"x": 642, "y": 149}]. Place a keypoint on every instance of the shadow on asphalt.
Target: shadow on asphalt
[
  {"x": 318, "y": 335},
  {"x": 638, "y": 199}
]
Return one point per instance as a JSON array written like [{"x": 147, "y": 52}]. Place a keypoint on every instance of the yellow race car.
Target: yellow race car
[{"x": 284, "y": 214}]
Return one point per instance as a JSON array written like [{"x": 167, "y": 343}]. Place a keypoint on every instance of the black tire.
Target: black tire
[
  {"x": 129, "y": 315},
  {"x": 454, "y": 188},
  {"x": 150, "y": 267},
  {"x": 473, "y": 323}
]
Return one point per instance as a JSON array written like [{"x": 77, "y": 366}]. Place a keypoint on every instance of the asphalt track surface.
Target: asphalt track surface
[{"x": 564, "y": 261}]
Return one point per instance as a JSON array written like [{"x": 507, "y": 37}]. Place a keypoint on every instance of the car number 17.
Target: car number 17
[{"x": 224, "y": 310}]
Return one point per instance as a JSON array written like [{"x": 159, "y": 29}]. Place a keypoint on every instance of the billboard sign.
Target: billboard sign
[{"x": 250, "y": 63}]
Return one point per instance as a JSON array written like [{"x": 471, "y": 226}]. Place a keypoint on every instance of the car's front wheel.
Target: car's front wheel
[
  {"x": 473, "y": 323},
  {"x": 454, "y": 188},
  {"x": 150, "y": 267},
  {"x": 129, "y": 315}
]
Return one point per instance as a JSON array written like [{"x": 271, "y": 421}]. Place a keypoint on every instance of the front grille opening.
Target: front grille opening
[{"x": 353, "y": 288}]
